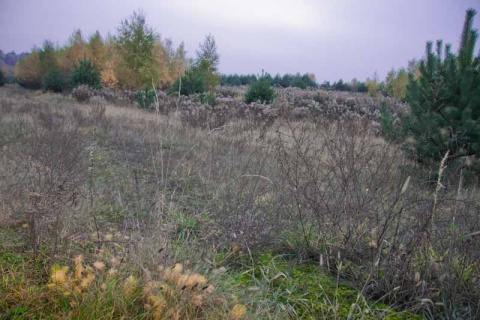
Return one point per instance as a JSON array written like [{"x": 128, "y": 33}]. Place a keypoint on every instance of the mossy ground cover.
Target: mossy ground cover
[{"x": 266, "y": 284}]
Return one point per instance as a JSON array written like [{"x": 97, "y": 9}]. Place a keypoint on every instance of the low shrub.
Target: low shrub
[
  {"x": 260, "y": 91},
  {"x": 208, "y": 98},
  {"x": 145, "y": 98},
  {"x": 204, "y": 116},
  {"x": 82, "y": 93}
]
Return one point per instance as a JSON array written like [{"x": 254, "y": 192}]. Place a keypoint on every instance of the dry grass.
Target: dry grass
[{"x": 145, "y": 189}]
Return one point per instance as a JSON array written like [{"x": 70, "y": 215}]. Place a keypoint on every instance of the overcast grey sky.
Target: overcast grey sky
[{"x": 331, "y": 38}]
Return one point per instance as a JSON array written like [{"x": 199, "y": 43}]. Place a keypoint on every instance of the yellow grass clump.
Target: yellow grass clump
[
  {"x": 79, "y": 268},
  {"x": 238, "y": 312},
  {"x": 129, "y": 286},
  {"x": 172, "y": 293}
]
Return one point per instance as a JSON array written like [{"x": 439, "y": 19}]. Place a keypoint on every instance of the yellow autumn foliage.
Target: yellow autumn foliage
[{"x": 29, "y": 71}]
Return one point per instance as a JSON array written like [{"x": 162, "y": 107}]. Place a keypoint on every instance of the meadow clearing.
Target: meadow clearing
[{"x": 299, "y": 209}]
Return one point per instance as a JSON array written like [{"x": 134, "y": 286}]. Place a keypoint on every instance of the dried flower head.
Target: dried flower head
[
  {"x": 151, "y": 286},
  {"x": 115, "y": 261},
  {"x": 197, "y": 300},
  {"x": 178, "y": 268},
  {"x": 59, "y": 274},
  {"x": 112, "y": 272},
  {"x": 78, "y": 261},
  {"x": 158, "y": 304},
  {"x": 172, "y": 274},
  {"x": 87, "y": 281},
  {"x": 99, "y": 265},
  {"x": 238, "y": 312},
  {"x": 129, "y": 286},
  {"x": 210, "y": 289},
  {"x": 196, "y": 279}
]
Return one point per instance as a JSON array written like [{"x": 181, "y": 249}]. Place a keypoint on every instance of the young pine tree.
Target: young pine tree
[
  {"x": 445, "y": 100},
  {"x": 260, "y": 91},
  {"x": 85, "y": 73},
  {"x": 53, "y": 80},
  {"x": 191, "y": 82}
]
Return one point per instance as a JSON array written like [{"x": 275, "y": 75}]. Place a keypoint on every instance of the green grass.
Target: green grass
[
  {"x": 277, "y": 286},
  {"x": 281, "y": 285}
]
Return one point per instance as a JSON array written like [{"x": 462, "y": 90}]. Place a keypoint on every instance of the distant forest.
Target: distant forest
[
  {"x": 8, "y": 61},
  {"x": 11, "y": 58},
  {"x": 304, "y": 81}
]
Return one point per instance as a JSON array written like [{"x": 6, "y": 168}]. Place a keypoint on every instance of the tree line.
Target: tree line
[
  {"x": 134, "y": 57},
  {"x": 394, "y": 85},
  {"x": 298, "y": 80}
]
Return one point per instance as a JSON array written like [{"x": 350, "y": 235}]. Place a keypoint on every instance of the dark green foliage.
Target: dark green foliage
[
  {"x": 353, "y": 86},
  {"x": 145, "y": 98},
  {"x": 326, "y": 85},
  {"x": 47, "y": 57},
  {"x": 277, "y": 80},
  {"x": 260, "y": 91},
  {"x": 387, "y": 123},
  {"x": 236, "y": 79},
  {"x": 309, "y": 80},
  {"x": 340, "y": 86},
  {"x": 208, "y": 98},
  {"x": 297, "y": 80},
  {"x": 445, "y": 101},
  {"x": 192, "y": 82},
  {"x": 288, "y": 80},
  {"x": 2, "y": 78},
  {"x": 357, "y": 86},
  {"x": 85, "y": 73},
  {"x": 53, "y": 80},
  {"x": 10, "y": 79},
  {"x": 299, "y": 83}
]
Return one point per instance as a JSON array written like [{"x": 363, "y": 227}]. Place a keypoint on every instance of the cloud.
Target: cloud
[{"x": 280, "y": 14}]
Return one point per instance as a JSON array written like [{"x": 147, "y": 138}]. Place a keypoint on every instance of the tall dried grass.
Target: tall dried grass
[{"x": 153, "y": 188}]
